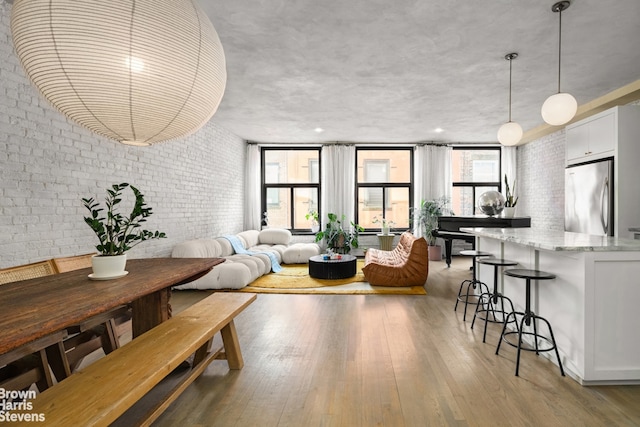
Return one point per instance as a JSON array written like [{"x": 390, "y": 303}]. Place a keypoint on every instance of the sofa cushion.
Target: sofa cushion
[
  {"x": 299, "y": 253},
  {"x": 275, "y": 236},
  {"x": 249, "y": 238},
  {"x": 225, "y": 246},
  {"x": 201, "y": 248},
  {"x": 276, "y": 250},
  {"x": 228, "y": 275}
]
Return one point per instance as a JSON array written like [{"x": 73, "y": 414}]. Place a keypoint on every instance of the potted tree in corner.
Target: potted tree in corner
[
  {"x": 426, "y": 217},
  {"x": 117, "y": 233}
]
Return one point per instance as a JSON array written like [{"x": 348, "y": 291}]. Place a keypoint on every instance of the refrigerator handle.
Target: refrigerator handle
[{"x": 604, "y": 206}]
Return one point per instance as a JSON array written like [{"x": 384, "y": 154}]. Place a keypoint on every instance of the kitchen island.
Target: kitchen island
[{"x": 592, "y": 304}]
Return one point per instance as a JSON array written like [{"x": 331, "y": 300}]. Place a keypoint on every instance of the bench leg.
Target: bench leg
[{"x": 232, "y": 346}]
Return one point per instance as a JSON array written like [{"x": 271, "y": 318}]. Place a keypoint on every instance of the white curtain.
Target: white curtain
[
  {"x": 253, "y": 216},
  {"x": 509, "y": 165},
  {"x": 338, "y": 181},
  {"x": 432, "y": 174}
]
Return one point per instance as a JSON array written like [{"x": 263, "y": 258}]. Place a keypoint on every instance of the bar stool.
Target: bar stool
[
  {"x": 529, "y": 317},
  {"x": 488, "y": 309},
  {"x": 470, "y": 297}
]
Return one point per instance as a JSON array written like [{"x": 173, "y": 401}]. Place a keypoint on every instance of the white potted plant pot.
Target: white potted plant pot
[
  {"x": 107, "y": 267},
  {"x": 508, "y": 212}
]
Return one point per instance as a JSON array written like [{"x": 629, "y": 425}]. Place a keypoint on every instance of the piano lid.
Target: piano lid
[{"x": 453, "y": 223}]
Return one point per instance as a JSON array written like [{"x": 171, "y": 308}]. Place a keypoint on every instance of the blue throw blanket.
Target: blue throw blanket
[{"x": 237, "y": 246}]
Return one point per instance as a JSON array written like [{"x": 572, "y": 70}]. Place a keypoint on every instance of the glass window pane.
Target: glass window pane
[
  {"x": 305, "y": 200},
  {"x": 291, "y": 166},
  {"x": 369, "y": 206},
  {"x": 384, "y": 166},
  {"x": 370, "y": 198},
  {"x": 475, "y": 165},
  {"x": 398, "y": 207},
  {"x": 278, "y": 209},
  {"x": 462, "y": 202}
]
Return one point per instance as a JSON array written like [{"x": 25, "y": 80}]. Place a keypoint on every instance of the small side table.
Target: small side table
[
  {"x": 332, "y": 269},
  {"x": 386, "y": 241}
]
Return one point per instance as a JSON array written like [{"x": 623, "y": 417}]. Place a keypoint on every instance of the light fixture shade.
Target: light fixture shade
[
  {"x": 137, "y": 71},
  {"x": 510, "y": 133},
  {"x": 559, "y": 109}
]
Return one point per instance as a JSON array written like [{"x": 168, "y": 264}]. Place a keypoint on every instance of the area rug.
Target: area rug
[{"x": 295, "y": 279}]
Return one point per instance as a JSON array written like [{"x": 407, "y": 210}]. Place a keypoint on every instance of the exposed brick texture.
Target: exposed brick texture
[
  {"x": 541, "y": 181},
  {"x": 47, "y": 164}
]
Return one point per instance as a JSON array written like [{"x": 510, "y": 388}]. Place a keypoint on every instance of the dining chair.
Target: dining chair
[
  {"x": 29, "y": 364},
  {"x": 101, "y": 331}
]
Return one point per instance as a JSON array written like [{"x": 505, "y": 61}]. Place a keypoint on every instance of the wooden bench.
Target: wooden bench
[{"x": 98, "y": 394}]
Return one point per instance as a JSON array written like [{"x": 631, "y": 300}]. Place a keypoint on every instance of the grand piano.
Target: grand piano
[{"x": 449, "y": 228}]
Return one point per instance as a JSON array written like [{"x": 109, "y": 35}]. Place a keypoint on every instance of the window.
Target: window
[
  {"x": 290, "y": 186},
  {"x": 384, "y": 186},
  {"x": 474, "y": 170}
]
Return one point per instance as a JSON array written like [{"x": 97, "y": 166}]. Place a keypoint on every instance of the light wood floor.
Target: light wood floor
[{"x": 385, "y": 360}]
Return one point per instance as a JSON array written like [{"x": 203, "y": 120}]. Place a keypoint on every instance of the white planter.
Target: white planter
[
  {"x": 508, "y": 212},
  {"x": 108, "y": 267},
  {"x": 385, "y": 231}
]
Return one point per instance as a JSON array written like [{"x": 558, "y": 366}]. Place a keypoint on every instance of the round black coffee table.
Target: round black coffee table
[{"x": 321, "y": 268}]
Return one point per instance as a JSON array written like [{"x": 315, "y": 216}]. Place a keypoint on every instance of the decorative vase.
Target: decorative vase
[
  {"x": 315, "y": 227},
  {"x": 508, "y": 212},
  {"x": 108, "y": 266},
  {"x": 435, "y": 253},
  {"x": 385, "y": 230}
]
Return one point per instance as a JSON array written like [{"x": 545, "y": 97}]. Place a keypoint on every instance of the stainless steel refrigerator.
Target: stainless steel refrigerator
[{"x": 588, "y": 198}]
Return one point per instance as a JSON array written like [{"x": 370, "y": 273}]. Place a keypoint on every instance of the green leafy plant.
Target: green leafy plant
[
  {"x": 117, "y": 233},
  {"x": 384, "y": 223},
  {"x": 510, "y": 199},
  {"x": 338, "y": 239},
  {"x": 426, "y": 216},
  {"x": 312, "y": 216}
]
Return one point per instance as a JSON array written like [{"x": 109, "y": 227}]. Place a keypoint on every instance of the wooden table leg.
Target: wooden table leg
[{"x": 149, "y": 311}]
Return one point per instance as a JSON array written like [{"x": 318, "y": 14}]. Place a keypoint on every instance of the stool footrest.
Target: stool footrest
[{"x": 525, "y": 346}]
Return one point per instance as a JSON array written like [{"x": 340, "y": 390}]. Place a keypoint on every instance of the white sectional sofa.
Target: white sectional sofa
[{"x": 239, "y": 269}]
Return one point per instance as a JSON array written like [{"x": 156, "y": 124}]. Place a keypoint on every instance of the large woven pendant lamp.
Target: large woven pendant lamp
[{"x": 137, "y": 71}]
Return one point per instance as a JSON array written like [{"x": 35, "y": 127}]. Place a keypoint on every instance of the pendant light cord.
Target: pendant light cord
[
  {"x": 559, "y": 46},
  {"x": 510, "y": 60}
]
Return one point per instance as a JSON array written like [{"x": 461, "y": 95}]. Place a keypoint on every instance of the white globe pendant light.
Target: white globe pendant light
[
  {"x": 510, "y": 133},
  {"x": 137, "y": 71},
  {"x": 560, "y": 108}
]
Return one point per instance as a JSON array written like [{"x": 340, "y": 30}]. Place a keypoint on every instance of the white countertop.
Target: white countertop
[{"x": 557, "y": 240}]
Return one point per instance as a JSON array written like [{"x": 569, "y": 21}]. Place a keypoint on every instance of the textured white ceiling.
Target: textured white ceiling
[{"x": 393, "y": 71}]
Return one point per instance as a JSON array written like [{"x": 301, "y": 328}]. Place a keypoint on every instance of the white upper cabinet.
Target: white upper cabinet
[{"x": 593, "y": 138}]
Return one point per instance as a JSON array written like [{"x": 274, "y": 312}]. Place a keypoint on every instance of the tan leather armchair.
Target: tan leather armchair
[{"x": 406, "y": 265}]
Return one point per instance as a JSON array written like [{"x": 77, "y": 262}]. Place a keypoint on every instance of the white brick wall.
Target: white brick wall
[
  {"x": 541, "y": 181},
  {"x": 47, "y": 164}
]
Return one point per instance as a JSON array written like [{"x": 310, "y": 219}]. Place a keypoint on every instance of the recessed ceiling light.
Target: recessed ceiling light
[
  {"x": 438, "y": 130},
  {"x": 319, "y": 130}
]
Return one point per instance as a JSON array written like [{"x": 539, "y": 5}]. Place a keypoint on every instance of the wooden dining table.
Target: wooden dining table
[{"x": 34, "y": 308}]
